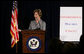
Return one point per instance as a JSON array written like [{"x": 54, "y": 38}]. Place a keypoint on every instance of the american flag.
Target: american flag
[{"x": 14, "y": 25}]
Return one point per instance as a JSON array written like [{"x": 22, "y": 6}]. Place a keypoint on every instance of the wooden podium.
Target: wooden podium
[{"x": 29, "y": 33}]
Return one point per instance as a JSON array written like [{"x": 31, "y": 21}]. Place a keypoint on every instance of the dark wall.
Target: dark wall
[{"x": 51, "y": 14}]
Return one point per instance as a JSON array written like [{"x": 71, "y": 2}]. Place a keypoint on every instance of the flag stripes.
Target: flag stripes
[{"x": 14, "y": 25}]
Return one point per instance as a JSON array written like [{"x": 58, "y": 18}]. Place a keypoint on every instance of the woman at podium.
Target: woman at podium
[{"x": 38, "y": 23}]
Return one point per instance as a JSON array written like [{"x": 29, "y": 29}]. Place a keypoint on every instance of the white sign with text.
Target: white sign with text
[{"x": 70, "y": 23}]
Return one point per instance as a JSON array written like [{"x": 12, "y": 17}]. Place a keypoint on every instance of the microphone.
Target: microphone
[{"x": 36, "y": 18}]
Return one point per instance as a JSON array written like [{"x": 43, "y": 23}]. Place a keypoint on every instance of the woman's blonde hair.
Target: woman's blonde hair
[{"x": 38, "y": 11}]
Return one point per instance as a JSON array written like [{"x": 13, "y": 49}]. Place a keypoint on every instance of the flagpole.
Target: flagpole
[
  {"x": 16, "y": 48},
  {"x": 14, "y": 29}
]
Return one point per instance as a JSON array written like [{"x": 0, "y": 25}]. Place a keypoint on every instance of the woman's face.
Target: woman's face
[{"x": 36, "y": 15}]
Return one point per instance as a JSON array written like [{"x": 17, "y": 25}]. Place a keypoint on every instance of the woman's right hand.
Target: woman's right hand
[{"x": 19, "y": 30}]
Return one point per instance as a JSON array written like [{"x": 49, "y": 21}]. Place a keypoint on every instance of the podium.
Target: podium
[{"x": 33, "y": 41}]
